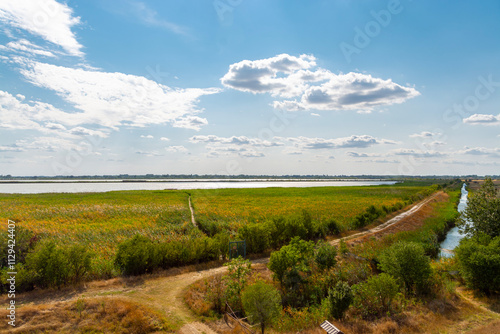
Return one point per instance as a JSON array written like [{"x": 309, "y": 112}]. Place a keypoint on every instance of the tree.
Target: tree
[
  {"x": 262, "y": 303},
  {"x": 326, "y": 256},
  {"x": 236, "y": 280},
  {"x": 49, "y": 264},
  {"x": 136, "y": 256},
  {"x": 339, "y": 298},
  {"x": 291, "y": 266},
  {"x": 483, "y": 212},
  {"x": 407, "y": 262},
  {"x": 79, "y": 261},
  {"x": 479, "y": 262},
  {"x": 375, "y": 295}
]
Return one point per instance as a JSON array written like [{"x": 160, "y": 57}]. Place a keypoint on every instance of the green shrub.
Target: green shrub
[
  {"x": 407, "y": 262},
  {"x": 49, "y": 265},
  {"x": 256, "y": 236},
  {"x": 333, "y": 227},
  {"x": 79, "y": 261},
  {"x": 479, "y": 262},
  {"x": 236, "y": 278},
  {"x": 374, "y": 296},
  {"x": 340, "y": 297},
  {"x": 326, "y": 256},
  {"x": 136, "y": 256},
  {"x": 261, "y": 302}
]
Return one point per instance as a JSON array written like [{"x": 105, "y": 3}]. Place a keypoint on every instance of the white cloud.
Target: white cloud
[
  {"x": 81, "y": 131},
  {"x": 16, "y": 114},
  {"x": 354, "y": 141},
  {"x": 115, "y": 99},
  {"x": 234, "y": 140},
  {"x": 288, "y": 76},
  {"x": 418, "y": 153},
  {"x": 149, "y": 153},
  {"x": 174, "y": 149},
  {"x": 241, "y": 145},
  {"x": 314, "y": 114},
  {"x": 361, "y": 155},
  {"x": 55, "y": 126},
  {"x": 48, "y": 19},
  {"x": 147, "y": 136},
  {"x": 11, "y": 148},
  {"x": 494, "y": 152},
  {"x": 164, "y": 139},
  {"x": 483, "y": 119},
  {"x": 425, "y": 134},
  {"x": 26, "y": 47}
]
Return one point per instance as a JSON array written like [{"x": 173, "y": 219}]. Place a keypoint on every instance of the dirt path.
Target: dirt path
[
  {"x": 192, "y": 211},
  {"x": 166, "y": 293},
  {"x": 400, "y": 219}
]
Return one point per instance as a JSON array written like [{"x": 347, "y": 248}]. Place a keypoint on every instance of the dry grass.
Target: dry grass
[{"x": 87, "y": 315}]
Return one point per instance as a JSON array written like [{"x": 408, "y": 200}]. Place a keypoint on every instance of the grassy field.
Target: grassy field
[
  {"x": 234, "y": 207},
  {"x": 100, "y": 221}
]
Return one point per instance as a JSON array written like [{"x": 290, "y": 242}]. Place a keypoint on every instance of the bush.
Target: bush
[
  {"x": 79, "y": 261},
  {"x": 49, "y": 265},
  {"x": 479, "y": 262},
  {"x": 261, "y": 302},
  {"x": 339, "y": 298},
  {"x": 374, "y": 296},
  {"x": 326, "y": 256},
  {"x": 238, "y": 271},
  {"x": 333, "y": 227},
  {"x": 407, "y": 262},
  {"x": 136, "y": 256},
  {"x": 256, "y": 236}
]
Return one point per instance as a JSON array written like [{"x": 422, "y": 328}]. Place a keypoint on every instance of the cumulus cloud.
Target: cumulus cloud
[
  {"x": 164, "y": 139},
  {"x": 47, "y": 19},
  {"x": 418, "y": 153},
  {"x": 147, "y": 136},
  {"x": 495, "y": 152},
  {"x": 483, "y": 119},
  {"x": 313, "y": 88},
  {"x": 425, "y": 135},
  {"x": 361, "y": 155},
  {"x": 175, "y": 149},
  {"x": 115, "y": 99},
  {"x": 354, "y": 141},
  {"x": 240, "y": 145},
  {"x": 234, "y": 140}
]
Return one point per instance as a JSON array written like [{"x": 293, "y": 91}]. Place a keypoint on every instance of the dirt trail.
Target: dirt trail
[
  {"x": 192, "y": 211},
  {"x": 404, "y": 221},
  {"x": 166, "y": 293}
]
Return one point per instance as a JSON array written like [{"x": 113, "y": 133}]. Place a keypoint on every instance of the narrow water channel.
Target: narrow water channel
[{"x": 454, "y": 236}]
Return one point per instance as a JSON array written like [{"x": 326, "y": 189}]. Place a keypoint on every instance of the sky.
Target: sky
[{"x": 228, "y": 87}]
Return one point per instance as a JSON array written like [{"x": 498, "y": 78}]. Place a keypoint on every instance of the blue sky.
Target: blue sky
[{"x": 249, "y": 87}]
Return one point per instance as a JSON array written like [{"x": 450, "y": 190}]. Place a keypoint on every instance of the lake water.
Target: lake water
[
  {"x": 454, "y": 236},
  {"x": 34, "y": 187}
]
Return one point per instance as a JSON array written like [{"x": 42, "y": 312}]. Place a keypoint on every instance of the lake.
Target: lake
[{"x": 75, "y": 186}]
